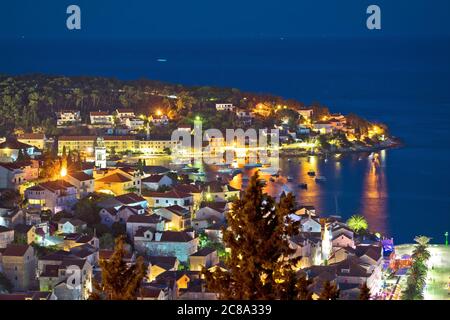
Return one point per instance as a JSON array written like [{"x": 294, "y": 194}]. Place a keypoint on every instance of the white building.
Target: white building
[
  {"x": 52, "y": 195},
  {"x": 134, "y": 123},
  {"x": 101, "y": 118},
  {"x": 306, "y": 113},
  {"x": 224, "y": 107},
  {"x": 68, "y": 118}
]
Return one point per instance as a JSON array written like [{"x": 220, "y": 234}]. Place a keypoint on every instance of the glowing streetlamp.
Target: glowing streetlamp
[
  {"x": 159, "y": 112},
  {"x": 63, "y": 172}
]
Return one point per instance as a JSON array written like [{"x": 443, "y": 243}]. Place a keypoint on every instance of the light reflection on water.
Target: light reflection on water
[{"x": 355, "y": 185}]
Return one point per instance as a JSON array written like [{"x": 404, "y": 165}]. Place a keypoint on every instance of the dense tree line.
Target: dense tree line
[{"x": 30, "y": 101}]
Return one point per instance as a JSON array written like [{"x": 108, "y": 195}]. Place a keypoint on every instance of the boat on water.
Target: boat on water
[
  {"x": 161, "y": 60},
  {"x": 190, "y": 169},
  {"x": 303, "y": 186},
  {"x": 311, "y": 173},
  {"x": 221, "y": 164},
  {"x": 270, "y": 171},
  {"x": 320, "y": 179},
  {"x": 289, "y": 178},
  {"x": 252, "y": 165}
]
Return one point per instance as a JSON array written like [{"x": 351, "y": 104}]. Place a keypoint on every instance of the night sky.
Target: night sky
[{"x": 221, "y": 18}]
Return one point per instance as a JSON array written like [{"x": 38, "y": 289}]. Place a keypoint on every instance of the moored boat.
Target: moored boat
[
  {"x": 311, "y": 173},
  {"x": 252, "y": 165}
]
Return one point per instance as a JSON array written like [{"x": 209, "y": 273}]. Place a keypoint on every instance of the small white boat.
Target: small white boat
[
  {"x": 289, "y": 178},
  {"x": 320, "y": 179},
  {"x": 161, "y": 60}
]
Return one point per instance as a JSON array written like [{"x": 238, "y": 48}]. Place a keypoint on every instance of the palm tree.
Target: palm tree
[
  {"x": 357, "y": 223},
  {"x": 420, "y": 251}
]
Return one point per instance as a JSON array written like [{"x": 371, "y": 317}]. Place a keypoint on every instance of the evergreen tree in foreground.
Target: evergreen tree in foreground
[
  {"x": 119, "y": 281},
  {"x": 258, "y": 266},
  {"x": 364, "y": 292}
]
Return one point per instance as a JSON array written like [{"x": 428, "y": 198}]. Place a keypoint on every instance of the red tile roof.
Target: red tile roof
[
  {"x": 32, "y": 136},
  {"x": 15, "y": 250},
  {"x": 114, "y": 178},
  {"x": 80, "y": 176},
  {"x": 99, "y": 113},
  {"x": 130, "y": 198}
]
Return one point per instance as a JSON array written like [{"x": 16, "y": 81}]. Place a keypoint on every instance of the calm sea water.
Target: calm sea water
[{"x": 404, "y": 83}]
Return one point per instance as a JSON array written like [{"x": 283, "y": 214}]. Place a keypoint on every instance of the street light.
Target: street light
[{"x": 446, "y": 238}]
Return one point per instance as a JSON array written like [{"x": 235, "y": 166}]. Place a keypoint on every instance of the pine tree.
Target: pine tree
[
  {"x": 364, "y": 293},
  {"x": 258, "y": 266},
  {"x": 119, "y": 281},
  {"x": 329, "y": 292}
]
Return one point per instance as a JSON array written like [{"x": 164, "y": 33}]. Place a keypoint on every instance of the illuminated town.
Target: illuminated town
[
  {"x": 224, "y": 154},
  {"x": 66, "y": 197}
]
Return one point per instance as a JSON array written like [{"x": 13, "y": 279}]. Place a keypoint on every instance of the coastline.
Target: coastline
[{"x": 392, "y": 144}]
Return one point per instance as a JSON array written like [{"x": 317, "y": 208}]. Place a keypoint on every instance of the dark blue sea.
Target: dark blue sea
[{"x": 403, "y": 82}]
